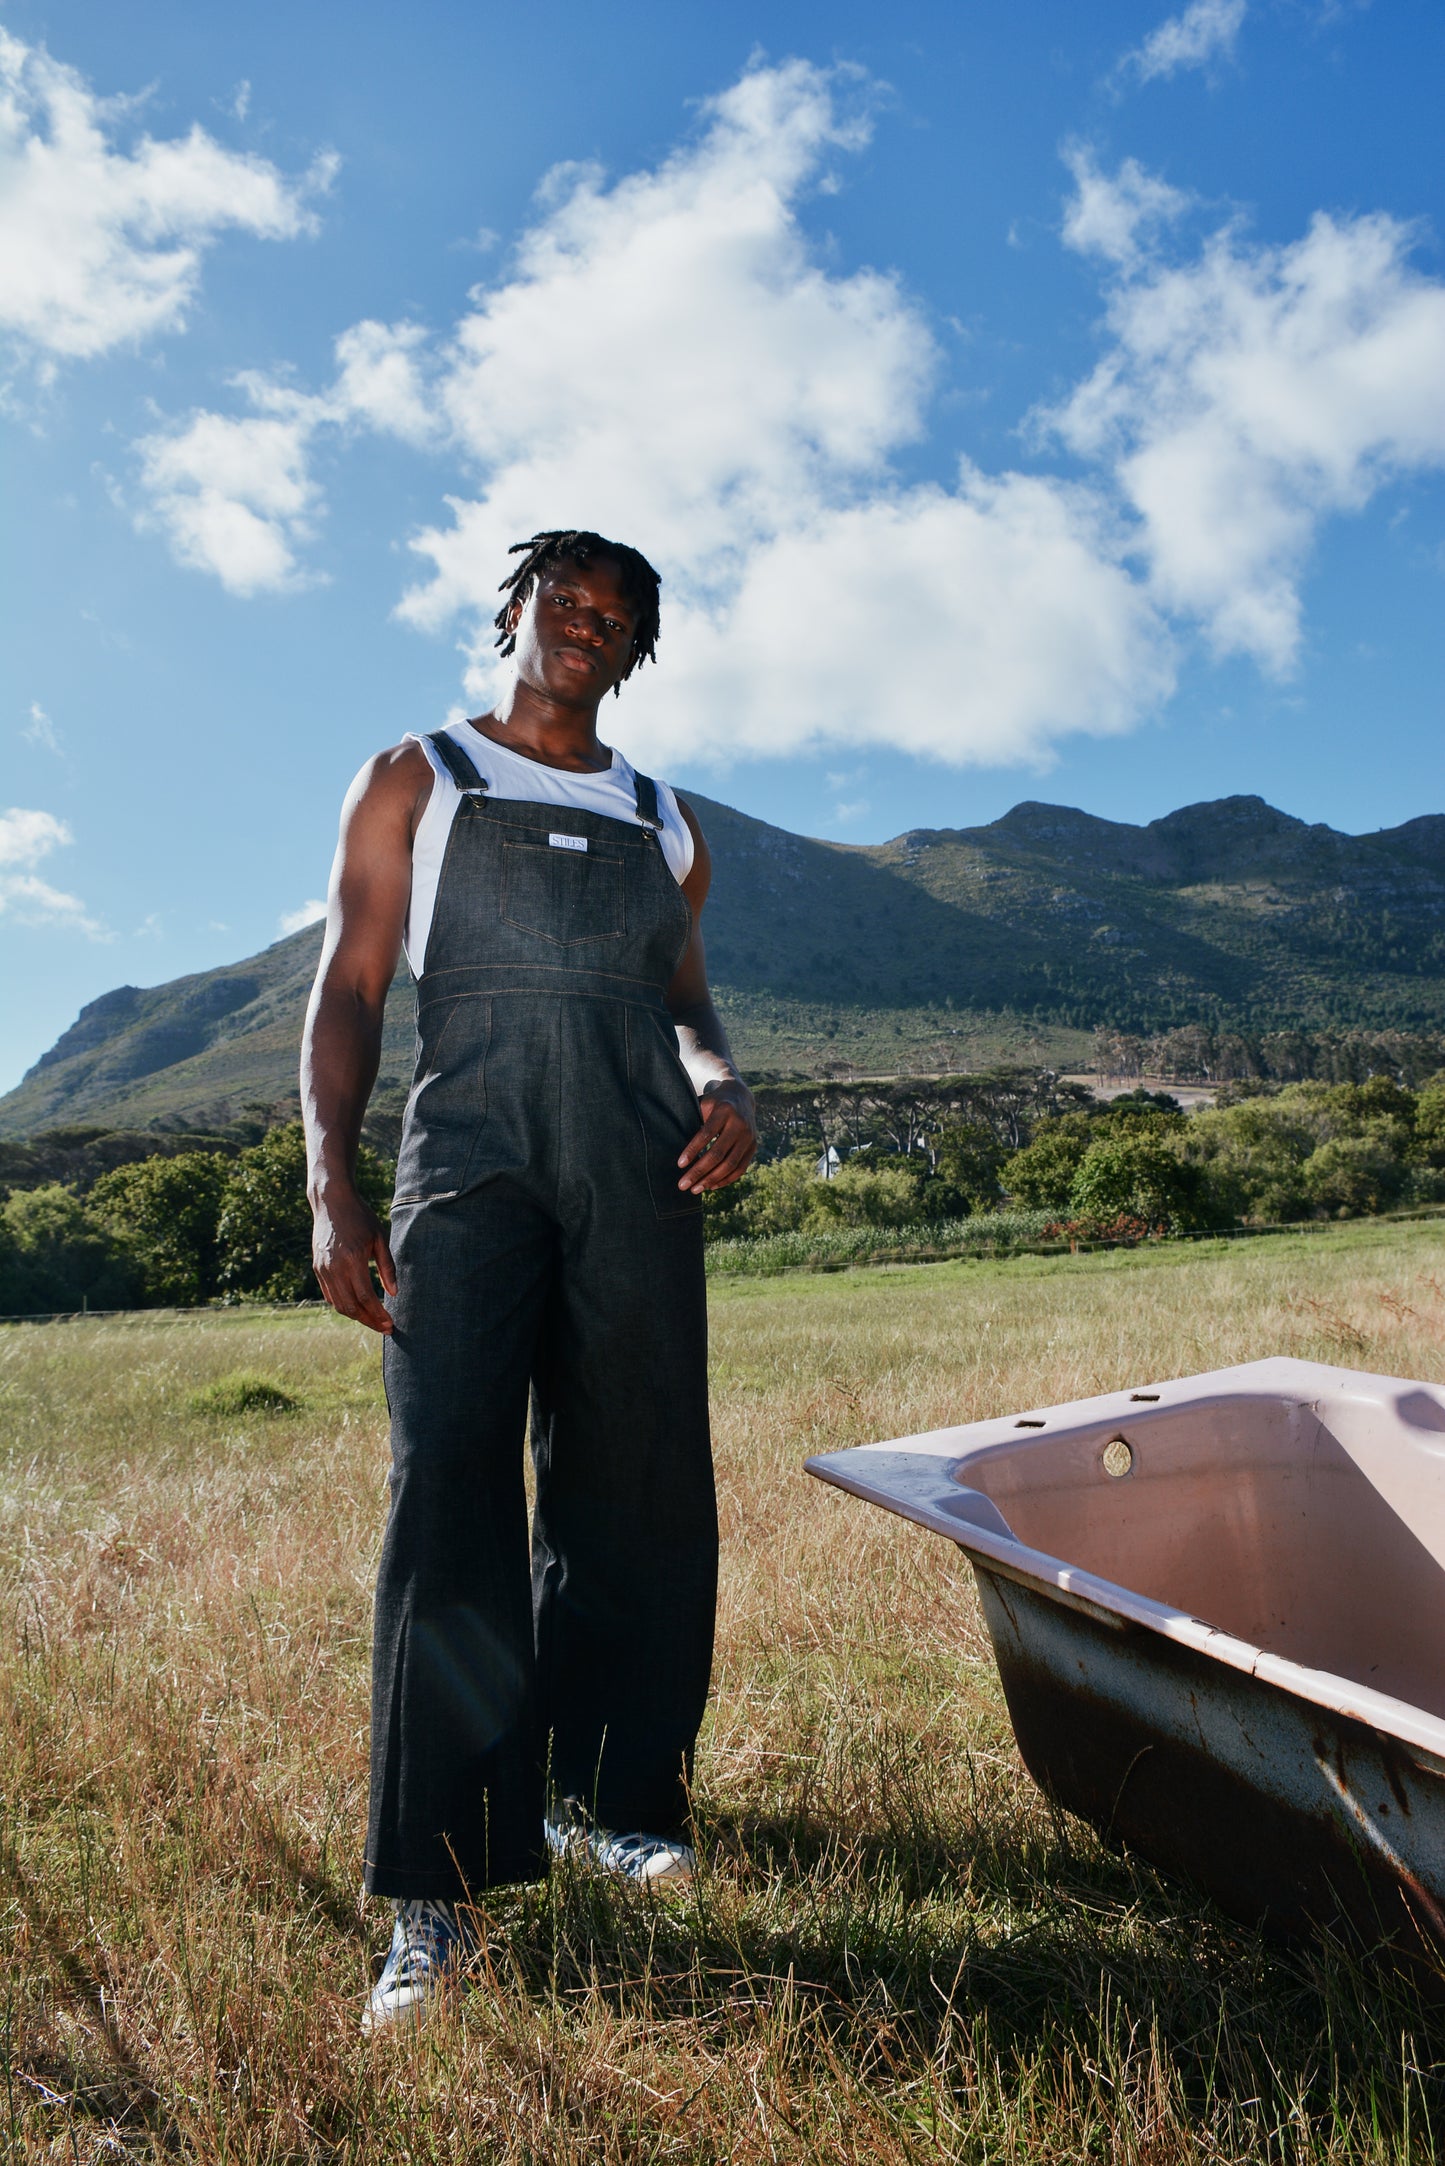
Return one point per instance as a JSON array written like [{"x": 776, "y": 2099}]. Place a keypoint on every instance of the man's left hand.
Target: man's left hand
[{"x": 725, "y": 1145}]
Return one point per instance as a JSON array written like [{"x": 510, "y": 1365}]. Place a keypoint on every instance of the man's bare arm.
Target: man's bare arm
[
  {"x": 341, "y": 1047},
  {"x": 725, "y": 1145}
]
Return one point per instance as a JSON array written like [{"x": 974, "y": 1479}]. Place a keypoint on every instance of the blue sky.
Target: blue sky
[{"x": 1019, "y": 402}]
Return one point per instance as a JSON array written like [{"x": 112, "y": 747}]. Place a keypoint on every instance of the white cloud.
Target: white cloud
[
  {"x": 101, "y": 243},
  {"x": 1116, "y": 216},
  {"x": 381, "y": 383},
  {"x": 27, "y": 837},
  {"x": 40, "y": 730},
  {"x": 235, "y": 495},
  {"x": 1252, "y": 391},
  {"x": 737, "y": 416},
  {"x": 296, "y": 921},
  {"x": 1205, "y": 31},
  {"x": 977, "y": 623},
  {"x": 742, "y": 409}
]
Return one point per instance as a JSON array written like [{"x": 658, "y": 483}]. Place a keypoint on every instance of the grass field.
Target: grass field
[{"x": 895, "y": 1952}]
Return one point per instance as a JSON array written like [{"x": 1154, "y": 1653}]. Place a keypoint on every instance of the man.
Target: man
[{"x": 574, "y": 1096}]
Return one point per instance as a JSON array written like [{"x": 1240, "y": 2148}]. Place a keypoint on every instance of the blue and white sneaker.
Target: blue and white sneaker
[
  {"x": 649, "y": 1858},
  {"x": 428, "y": 1944}
]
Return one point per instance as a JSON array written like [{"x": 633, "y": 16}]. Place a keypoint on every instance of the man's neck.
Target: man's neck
[{"x": 543, "y": 729}]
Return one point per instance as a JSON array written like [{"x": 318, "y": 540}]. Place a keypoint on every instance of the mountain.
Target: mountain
[{"x": 947, "y": 947}]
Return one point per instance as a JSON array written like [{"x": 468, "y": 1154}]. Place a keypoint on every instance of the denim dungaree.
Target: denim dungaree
[{"x": 542, "y": 1244}]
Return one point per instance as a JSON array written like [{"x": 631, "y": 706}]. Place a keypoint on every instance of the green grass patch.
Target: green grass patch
[{"x": 243, "y": 1393}]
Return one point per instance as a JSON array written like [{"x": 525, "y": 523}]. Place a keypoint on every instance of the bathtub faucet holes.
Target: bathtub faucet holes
[{"x": 1118, "y": 1458}]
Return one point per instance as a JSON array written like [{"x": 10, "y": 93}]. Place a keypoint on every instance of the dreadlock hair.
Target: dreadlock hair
[{"x": 557, "y": 545}]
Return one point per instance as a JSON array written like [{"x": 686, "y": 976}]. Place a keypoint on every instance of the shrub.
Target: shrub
[
  {"x": 788, "y": 1197},
  {"x": 768, "y": 1199},
  {"x": 863, "y": 1194},
  {"x": 165, "y": 1212},
  {"x": 1040, "y": 1177},
  {"x": 1136, "y": 1178},
  {"x": 1252, "y": 1156},
  {"x": 1349, "y": 1175}
]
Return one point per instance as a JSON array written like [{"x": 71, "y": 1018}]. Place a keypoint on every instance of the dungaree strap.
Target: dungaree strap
[
  {"x": 647, "y": 811},
  {"x": 456, "y": 762}
]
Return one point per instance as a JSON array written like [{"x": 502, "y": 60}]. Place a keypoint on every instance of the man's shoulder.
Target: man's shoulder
[
  {"x": 395, "y": 780},
  {"x": 397, "y": 764},
  {"x": 685, "y": 810}
]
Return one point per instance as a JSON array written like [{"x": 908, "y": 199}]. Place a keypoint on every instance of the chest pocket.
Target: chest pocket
[{"x": 567, "y": 897}]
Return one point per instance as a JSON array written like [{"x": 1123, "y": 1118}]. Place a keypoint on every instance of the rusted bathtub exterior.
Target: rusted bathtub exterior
[{"x": 1218, "y": 1610}]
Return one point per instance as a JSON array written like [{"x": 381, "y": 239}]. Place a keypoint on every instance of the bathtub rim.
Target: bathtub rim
[{"x": 915, "y": 1477}]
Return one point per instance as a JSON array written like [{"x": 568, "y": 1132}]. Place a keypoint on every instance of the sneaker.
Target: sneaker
[
  {"x": 427, "y": 1943},
  {"x": 651, "y": 1858}
]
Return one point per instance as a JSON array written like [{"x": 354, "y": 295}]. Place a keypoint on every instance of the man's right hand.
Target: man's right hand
[
  {"x": 348, "y": 1239},
  {"x": 341, "y": 1044}
]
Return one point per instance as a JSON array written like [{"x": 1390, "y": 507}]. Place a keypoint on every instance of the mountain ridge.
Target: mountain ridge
[{"x": 941, "y": 947}]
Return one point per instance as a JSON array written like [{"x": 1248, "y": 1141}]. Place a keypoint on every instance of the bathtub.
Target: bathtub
[{"x": 1218, "y": 1611}]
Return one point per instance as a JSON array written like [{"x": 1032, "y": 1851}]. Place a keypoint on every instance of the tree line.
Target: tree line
[
  {"x": 96, "y": 1219},
  {"x": 917, "y": 1152},
  {"x": 171, "y": 1229}
]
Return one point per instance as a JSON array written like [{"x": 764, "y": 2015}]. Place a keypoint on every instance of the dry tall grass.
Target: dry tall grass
[{"x": 896, "y": 1951}]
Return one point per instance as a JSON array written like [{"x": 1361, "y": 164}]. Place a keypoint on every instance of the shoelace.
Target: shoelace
[{"x": 429, "y": 1933}]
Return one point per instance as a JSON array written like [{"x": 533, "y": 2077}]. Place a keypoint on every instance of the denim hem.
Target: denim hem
[{"x": 451, "y": 1887}]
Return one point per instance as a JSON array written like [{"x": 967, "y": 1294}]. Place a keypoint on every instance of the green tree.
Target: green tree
[
  {"x": 768, "y": 1199},
  {"x": 967, "y": 1159},
  {"x": 1349, "y": 1176},
  {"x": 1430, "y": 1125},
  {"x": 165, "y": 1212},
  {"x": 1041, "y": 1175},
  {"x": 55, "y": 1255},
  {"x": 264, "y": 1232},
  {"x": 1252, "y": 1156},
  {"x": 1137, "y": 1176}
]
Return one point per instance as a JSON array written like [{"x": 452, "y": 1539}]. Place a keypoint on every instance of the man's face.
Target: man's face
[{"x": 574, "y": 632}]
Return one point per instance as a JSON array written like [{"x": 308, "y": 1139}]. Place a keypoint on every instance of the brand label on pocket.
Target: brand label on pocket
[{"x": 568, "y": 842}]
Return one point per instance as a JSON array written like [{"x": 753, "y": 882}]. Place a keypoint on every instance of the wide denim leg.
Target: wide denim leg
[
  {"x": 624, "y": 1542},
  {"x": 456, "y": 1780}
]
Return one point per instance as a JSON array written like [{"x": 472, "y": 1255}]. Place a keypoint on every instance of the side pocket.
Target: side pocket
[
  {"x": 667, "y": 1111},
  {"x": 447, "y": 1107}
]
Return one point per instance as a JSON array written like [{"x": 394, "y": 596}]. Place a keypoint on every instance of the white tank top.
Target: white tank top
[{"x": 512, "y": 775}]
